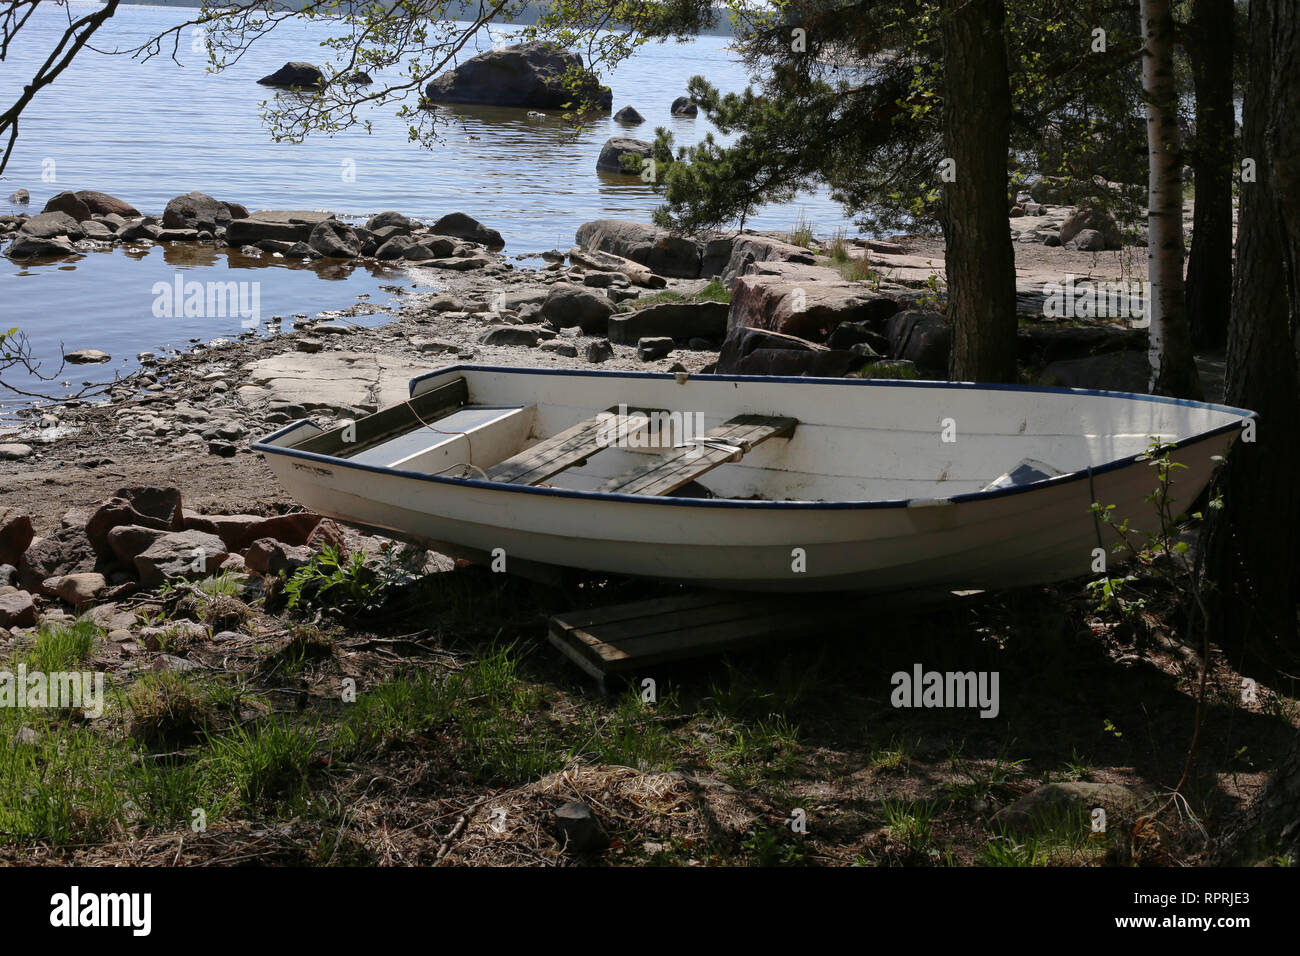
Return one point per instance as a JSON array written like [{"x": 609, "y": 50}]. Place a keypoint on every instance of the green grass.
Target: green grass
[
  {"x": 1067, "y": 841},
  {"x": 715, "y": 291},
  {"x": 802, "y": 234},
  {"x": 61, "y": 647},
  {"x": 985, "y": 779},
  {"x": 911, "y": 824},
  {"x": 896, "y": 755}
]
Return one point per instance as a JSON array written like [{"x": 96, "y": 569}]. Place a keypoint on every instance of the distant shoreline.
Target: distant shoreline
[{"x": 526, "y": 18}]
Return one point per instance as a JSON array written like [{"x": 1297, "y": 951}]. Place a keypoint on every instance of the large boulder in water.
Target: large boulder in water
[
  {"x": 195, "y": 210},
  {"x": 615, "y": 148},
  {"x": 461, "y": 226},
  {"x": 67, "y": 202},
  {"x": 50, "y": 225},
  {"x": 297, "y": 75},
  {"x": 102, "y": 204},
  {"x": 526, "y": 74}
]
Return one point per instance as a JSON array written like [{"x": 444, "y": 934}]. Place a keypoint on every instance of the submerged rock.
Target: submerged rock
[
  {"x": 616, "y": 148},
  {"x": 295, "y": 75},
  {"x": 629, "y": 116}
]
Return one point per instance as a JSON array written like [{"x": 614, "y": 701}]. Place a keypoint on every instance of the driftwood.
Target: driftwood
[{"x": 608, "y": 262}]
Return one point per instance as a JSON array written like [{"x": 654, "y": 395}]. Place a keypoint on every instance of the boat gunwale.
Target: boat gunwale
[{"x": 1084, "y": 474}]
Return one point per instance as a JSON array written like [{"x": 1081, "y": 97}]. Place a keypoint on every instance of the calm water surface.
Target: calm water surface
[{"x": 146, "y": 132}]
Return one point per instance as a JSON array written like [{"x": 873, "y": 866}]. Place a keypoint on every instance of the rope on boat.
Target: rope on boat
[{"x": 469, "y": 444}]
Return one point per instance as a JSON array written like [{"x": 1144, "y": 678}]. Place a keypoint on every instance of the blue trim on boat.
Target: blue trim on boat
[{"x": 1082, "y": 475}]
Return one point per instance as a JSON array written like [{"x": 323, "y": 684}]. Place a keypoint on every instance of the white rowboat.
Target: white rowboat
[{"x": 816, "y": 484}]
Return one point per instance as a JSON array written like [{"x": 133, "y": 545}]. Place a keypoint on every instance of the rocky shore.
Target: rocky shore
[{"x": 627, "y": 295}]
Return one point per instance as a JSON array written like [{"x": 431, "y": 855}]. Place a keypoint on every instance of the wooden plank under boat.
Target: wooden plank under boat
[{"x": 754, "y": 483}]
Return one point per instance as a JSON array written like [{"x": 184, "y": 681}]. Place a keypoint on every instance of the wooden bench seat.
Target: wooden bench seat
[
  {"x": 682, "y": 465},
  {"x": 573, "y": 446}
]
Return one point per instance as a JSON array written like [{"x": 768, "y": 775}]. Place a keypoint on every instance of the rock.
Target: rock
[
  {"x": 98, "y": 230},
  {"x": 158, "y": 508},
  {"x": 196, "y": 210},
  {"x": 1055, "y": 190},
  {"x": 803, "y": 301},
  {"x": 737, "y": 257},
  {"x": 742, "y": 343},
  {"x": 628, "y": 116},
  {"x": 180, "y": 554},
  {"x": 653, "y": 347},
  {"x": 309, "y": 345},
  {"x": 15, "y": 451},
  {"x": 525, "y": 74},
  {"x": 616, "y": 148},
  {"x": 390, "y": 220},
  {"x": 920, "y": 337},
  {"x": 578, "y": 830},
  {"x": 660, "y": 250},
  {"x": 597, "y": 352},
  {"x": 17, "y": 608},
  {"x": 268, "y": 556},
  {"x": 138, "y": 230},
  {"x": 395, "y": 248},
  {"x": 567, "y": 349},
  {"x": 327, "y": 534},
  {"x": 682, "y": 106},
  {"x": 1046, "y": 344},
  {"x": 20, "y": 197},
  {"x": 82, "y": 588},
  {"x": 282, "y": 225},
  {"x": 459, "y": 263},
  {"x": 87, "y": 357},
  {"x": 1095, "y": 219},
  {"x": 51, "y": 225},
  {"x": 360, "y": 78},
  {"x": 128, "y": 541},
  {"x": 296, "y": 75},
  {"x": 524, "y": 335},
  {"x": 461, "y": 226},
  {"x": 1127, "y": 371},
  {"x": 15, "y": 535},
  {"x": 570, "y": 305},
  {"x": 333, "y": 239},
  {"x": 1087, "y": 240},
  {"x": 848, "y": 334},
  {"x": 64, "y": 551},
  {"x": 335, "y": 379},
  {"x": 32, "y": 247},
  {"x": 102, "y": 204},
  {"x": 677, "y": 320},
  {"x": 1067, "y": 804},
  {"x": 67, "y": 202},
  {"x": 8, "y": 575}
]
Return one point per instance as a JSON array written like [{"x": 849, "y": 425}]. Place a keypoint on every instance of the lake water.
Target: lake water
[{"x": 146, "y": 132}]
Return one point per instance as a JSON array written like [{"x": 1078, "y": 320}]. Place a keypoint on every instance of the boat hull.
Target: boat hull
[{"x": 1005, "y": 538}]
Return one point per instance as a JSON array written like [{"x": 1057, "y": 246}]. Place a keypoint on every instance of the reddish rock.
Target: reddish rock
[
  {"x": 805, "y": 301},
  {"x": 293, "y": 529},
  {"x": 15, "y": 536},
  {"x": 80, "y": 589},
  {"x": 129, "y": 540},
  {"x": 232, "y": 529},
  {"x": 147, "y": 507},
  {"x": 67, "y": 203},
  {"x": 180, "y": 554},
  {"x": 17, "y": 608},
  {"x": 102, "y": 204},
  {"x": 327, "y": 534},
  {"x": 272, "y": 557},
  {"x": 66, "y": 551}
]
